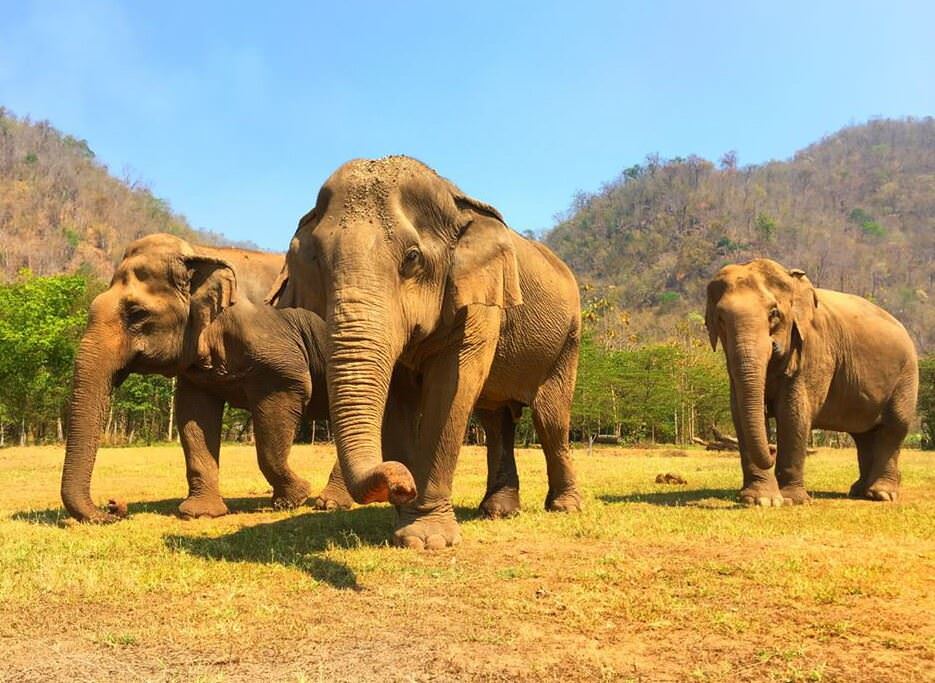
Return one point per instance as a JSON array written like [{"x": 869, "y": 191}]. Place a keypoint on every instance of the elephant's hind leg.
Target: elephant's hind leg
[
  {"x": 551, "y": 415},
  {"x": 864, "y": 444},
  {"x": 882, "y": 482},
  {"x": 882, "y": 477},
  {"x": 502, "y": 496}
]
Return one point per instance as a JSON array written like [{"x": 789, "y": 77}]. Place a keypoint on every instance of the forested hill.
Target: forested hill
[
  {"x": 856, "y": 211},
  {"x": 61, "y": 210}
]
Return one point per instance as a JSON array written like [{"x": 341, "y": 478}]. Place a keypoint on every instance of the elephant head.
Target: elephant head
[
  {"x": 390, "y": 256},
  {"x": 762, "y": 313},
  {"x": 151, "y": 319}
]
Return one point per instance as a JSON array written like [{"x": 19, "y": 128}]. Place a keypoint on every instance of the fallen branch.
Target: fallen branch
[{"x": 726, "y": 442}]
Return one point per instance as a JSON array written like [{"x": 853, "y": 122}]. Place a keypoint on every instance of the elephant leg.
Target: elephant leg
[
  {"x": 275, "y": 418},
  {"x": 864, "y": 444},
  {"x": 883, "y": 476},
  {"x": 502, "y": 496},
  {"x": 792, "y": 429},
  {"x": 401, "y": 417},
  {"x": 451, "y": 381},
  {"x": 760, "y": 487},
  {"x": 199, "y": 417},
  {"x": 791, "y": 446},
  {"x": 882, "y": 482},
  {"x": 551, "y": 416}
]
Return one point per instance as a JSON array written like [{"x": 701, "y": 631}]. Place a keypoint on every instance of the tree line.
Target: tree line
[{"x": 669, "y": 391}]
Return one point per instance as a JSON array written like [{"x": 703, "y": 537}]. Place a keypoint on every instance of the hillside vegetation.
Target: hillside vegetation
[
  {"x": 61, "y": 210},
  {"x": 856, "y": 211}
]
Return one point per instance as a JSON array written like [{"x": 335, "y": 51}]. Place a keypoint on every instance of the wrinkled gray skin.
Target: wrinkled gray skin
[
  {"x": 413, "y": 277},
  {"x": 811, "y": 358},
  {"x": 188, "y": 311}
]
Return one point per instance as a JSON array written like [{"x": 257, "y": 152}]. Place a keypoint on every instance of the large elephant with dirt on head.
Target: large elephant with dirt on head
[
  {"x": 197, "y": 313},
  {"x": 810, "y": 358},
  {"x": 414, "y": 277}
]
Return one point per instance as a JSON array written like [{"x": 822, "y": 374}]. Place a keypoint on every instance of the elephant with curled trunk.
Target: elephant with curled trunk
[
  {"x": 414, "y": 277},
  {"x": 811, "y": 358},
  {"x": 196, "y": 313}
]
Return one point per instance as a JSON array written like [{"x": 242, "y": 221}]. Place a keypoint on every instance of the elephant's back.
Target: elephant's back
[
  {"x": 867, "y": 320},
  {"x": 255, "y": 270}
]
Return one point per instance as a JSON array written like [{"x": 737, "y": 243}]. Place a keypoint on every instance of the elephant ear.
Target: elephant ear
[
  {"x": 484, "y": 269},
  {"x": 283, "y": 292},
  {"x": 275, "y": 295},
  {"x": 212, "y": 287},
  {"x": 715, "y": 292},
  {"x": 804, "y": 303}
]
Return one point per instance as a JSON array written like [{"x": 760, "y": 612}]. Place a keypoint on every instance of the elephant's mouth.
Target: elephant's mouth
[
  {"x": 777, "y": 352},
  {"x": 121, "y": 376}
]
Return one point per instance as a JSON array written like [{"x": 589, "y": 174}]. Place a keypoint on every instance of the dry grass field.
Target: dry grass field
[{"x": 651, "y": 582}]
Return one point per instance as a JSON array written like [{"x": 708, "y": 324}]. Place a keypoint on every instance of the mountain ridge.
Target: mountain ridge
[
  {"x": 855, "y": 210},
  {"x": 61, "y": 210}
]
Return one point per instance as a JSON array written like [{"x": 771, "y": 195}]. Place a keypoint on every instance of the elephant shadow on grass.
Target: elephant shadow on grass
[
  {"x": 296, "y": 542},
  {"x": 299, "y": 542},
  {"x": 706, "y": 498},
  {"x": 168, "y": 507},
  {"x": 677, "y": 497}
]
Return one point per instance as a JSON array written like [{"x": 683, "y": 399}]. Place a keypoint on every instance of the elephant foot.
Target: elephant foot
[
  {"x": 795, "y": 495},
  {"x": 207, "y": 505},
  {"x": 884, "y": 492},
  {"x": 500, "y": 503},
  {"x": 333, "y": 498},
  {"x": 291, "y": 495},
  {"x": 430, "y": 529},
  {"x": 569, "y": 500},
  {"x": 858, "y": 490},
  {"x": 764, "y": 497}
]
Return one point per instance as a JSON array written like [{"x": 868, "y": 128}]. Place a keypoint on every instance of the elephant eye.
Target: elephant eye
[
  {"x": 136, "y": 314},
  {"x": 773, "y": 314},
  {"x": 411, "y": 259}
]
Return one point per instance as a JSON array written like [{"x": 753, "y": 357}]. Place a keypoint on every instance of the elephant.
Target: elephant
[
  {"x": 197, "y": 313},
  {"x": 810, "y": 358},
  {"x": 414, "y": 277}
]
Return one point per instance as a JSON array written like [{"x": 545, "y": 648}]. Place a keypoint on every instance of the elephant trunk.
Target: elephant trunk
[
  {"x": 750, "y": 384},
  {"x": 359, "y": 368},
  {"x": 100, "y": 357}
]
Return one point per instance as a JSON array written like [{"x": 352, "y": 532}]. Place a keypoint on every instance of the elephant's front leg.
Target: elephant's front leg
[
  {"x": 276, "y": 417},
  {"x": 793, "y": 424},
  {"x": 502, "y": 496},
  {"x": 759, "y": 486},
  {"x": 199, "y": 416},
  {"x": 452, "y": 380}
]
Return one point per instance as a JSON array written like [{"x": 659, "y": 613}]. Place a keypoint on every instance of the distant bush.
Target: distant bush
[
  {"x": 765, "y": 226},
  {"x": 927, "y": 401},
  {"x": 867, "y": 223}
]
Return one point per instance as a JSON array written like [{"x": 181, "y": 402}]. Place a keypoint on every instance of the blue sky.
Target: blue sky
[{"x": 236, "y": 112}]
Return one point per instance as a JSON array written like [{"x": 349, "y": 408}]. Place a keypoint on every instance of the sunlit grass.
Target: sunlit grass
[{"x": 651, "y": 581}]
